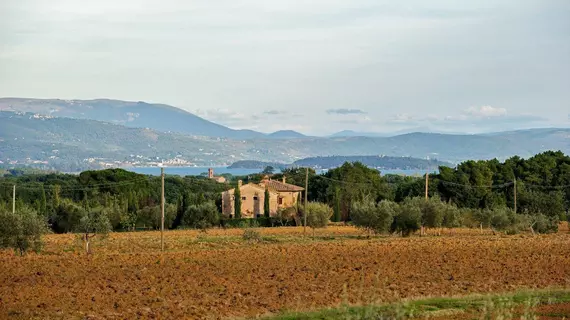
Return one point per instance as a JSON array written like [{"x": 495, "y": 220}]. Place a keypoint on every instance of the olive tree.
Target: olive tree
[
  {"x": 94, "y": 222},
  {"x": 22, "y": 230},
  {"x": 408, "y": 218},
  {"x": 202, "y": 216},
  {"x": 373, "y": 217},
  {"x": 318, "y": 215}
]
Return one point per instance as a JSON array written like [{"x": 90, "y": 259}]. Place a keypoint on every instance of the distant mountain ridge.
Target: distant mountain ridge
[
  {"x": 26, "y": 139},
  {"x": 139, "y": 114},
  {"x": 329, "y": 162}
]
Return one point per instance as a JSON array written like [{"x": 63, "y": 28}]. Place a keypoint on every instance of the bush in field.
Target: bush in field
[
  {"x": 22, "y": 230},
  {"x": 318, "y": 215},
  {"x": 285, "y": 215},
  {"x": 432, "y": 212},
  {"x": 372, "y": 216},
  {"x": 408, "y": 219},
  {"x": 502, "y": 218},
  {"x": 251, "y": 235},
  {"x": 452, "y": 217},
  {"x": 202, "y": 216},
  {"x": 543, "y": 224}
]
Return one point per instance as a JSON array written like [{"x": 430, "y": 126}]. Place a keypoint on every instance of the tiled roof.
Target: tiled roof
[{"x": 282, "y": 187}]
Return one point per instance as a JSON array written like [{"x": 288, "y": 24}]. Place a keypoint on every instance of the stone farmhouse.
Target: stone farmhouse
[{"x": 281, "y": 195}]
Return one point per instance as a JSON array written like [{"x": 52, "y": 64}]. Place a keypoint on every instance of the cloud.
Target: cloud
[
  {"x": 345, "y": 111},
  {"x": 485, "y": 111},
  {"x": 274, "y": 112},
  {"x": 472, "y": 119}
]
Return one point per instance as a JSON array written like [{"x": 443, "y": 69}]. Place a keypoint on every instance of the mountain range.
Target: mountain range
[
  {"x": 74, "y": 134},
  {"x": 160, "y": 117}
]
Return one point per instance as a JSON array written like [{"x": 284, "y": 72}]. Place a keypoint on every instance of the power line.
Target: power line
[
  {"x": 498, "y": 186},
  {"x": 73, "y": 188}
]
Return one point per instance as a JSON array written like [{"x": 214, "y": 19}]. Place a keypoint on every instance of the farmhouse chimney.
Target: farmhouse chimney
[
  {"x": 284, "y": 179},
  {"x": 240, "y": 183}
]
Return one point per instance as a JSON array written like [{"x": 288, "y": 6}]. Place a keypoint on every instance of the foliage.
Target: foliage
[
  {"x": 266, "y": 207},
  {"x": 152, "y": 216},
  {"x": 251, "y": 235},
  {"x": 285, "y": 216},
  {"x": 336, "y": 208},
  {"x": 408, "y": 218},
  {"x": 22, "y": 230},
  {"x": 318, "y": 214},
  {"x": 268, "y": 170},
  {"x": 237, "y": 203},
  {"x": 93, "y": 223},
  {"x": 202, "y": 216},
  {"x": 374, "y": 217}
]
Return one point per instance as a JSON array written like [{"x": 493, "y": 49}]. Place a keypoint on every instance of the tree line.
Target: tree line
[{"x": 473, "y": 193}]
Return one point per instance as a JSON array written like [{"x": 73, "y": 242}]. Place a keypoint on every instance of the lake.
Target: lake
[{"x": 196, "y": 171}]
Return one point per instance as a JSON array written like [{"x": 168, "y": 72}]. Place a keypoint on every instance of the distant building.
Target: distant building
[
  {"x": 219, "y": 179},
  {"x": 281, "y": 195}
]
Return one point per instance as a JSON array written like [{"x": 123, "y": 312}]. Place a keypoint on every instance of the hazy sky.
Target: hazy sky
[{"x": 316, "y": 66}]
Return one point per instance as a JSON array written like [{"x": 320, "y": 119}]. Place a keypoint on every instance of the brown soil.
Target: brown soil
[{"x": 128, "y": 278}]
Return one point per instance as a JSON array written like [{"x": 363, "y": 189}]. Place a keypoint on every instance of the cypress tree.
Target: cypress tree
[
  {"x": 43, "y": 202},
  {"x": 336, "y": 217},
  {"x": 266, "y": 209},
  {"x": 237, "y": 203}
]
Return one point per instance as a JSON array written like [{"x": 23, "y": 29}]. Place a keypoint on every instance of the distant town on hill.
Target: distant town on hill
[
  {"x": 379, "y": 162},
  {"x": 75, "y": 135}
]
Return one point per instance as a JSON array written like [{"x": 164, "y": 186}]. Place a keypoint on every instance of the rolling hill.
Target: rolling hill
[
  {"x": 26, "y": 138},
  {"x": 160, "y": 117}
]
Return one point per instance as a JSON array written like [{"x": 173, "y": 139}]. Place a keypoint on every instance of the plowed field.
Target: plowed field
[{"x": 218, "y": 275}]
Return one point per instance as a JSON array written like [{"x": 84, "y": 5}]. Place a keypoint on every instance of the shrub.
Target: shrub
[
  {"x": 432, "y": 212},
  {"x": 543, "y": 224},
  {"x": 251, "y": 235},
  {"x": 452, "y": 217},
  {"x": 22, "y": 230},
  {"x": 285, "y": 216},
  {"x": 408, "y": 219},
  {"x": 202, "y": 216},
  {"x": 318, "y": 215},
  {"x": 502, "y": 218},
  {"x": 374, "y": 217}
]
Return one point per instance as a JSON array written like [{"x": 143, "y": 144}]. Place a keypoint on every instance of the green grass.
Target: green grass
[{"x": 517, "y": 305}]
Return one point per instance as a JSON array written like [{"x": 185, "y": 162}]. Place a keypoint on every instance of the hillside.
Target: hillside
[
  {"x": 384, "y": 162},
  {"x": 160, "y": 117},
  {"x": 79, "y": 144}
]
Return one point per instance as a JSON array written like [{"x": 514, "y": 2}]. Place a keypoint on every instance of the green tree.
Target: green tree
[
  {"x": 268, "y": 170},
  {"x": 66, "y": 216},
  {"x": 266, "y": 208},
  {"x": 22, "y": 230},
  {"x": 237, "y": 203},
  {"x": 337, "y": 213},
  {"x": 408, "y": 219},
  {"x": 43, "y": 202},
  {"x": 94, "y": 222},
  {"x": 201, "y": 216},
  {"x": 374, "y": 217},
  {"x": 318, "y": 215}
]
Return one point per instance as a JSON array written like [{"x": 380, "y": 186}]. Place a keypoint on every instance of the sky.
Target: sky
[{"x": 318, "y": 66}]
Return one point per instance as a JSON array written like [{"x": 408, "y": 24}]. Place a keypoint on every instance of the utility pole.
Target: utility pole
[
  {"x": 306, "y": 191},
  {"x": 14, "y": 200},
  {"x": 427, "y": 178},
  {"x": 515, "y": 195},
  {"x": 162, "y": 210}
]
